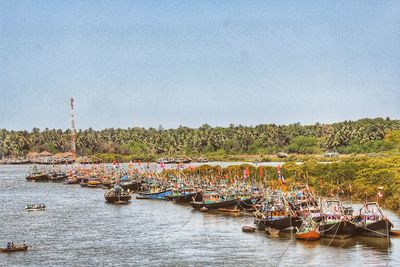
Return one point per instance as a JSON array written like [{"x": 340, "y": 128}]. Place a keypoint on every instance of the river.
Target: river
[{"x": 79, "y": 229}]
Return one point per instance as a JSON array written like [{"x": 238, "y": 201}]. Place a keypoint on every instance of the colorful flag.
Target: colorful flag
[{"x": 278, "y": 168}]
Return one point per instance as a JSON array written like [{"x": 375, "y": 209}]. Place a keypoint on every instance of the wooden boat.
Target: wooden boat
[
  {"x": 94, "y": 183},
  {"x": 37, "y": 176},
  {"x": 185, "y": 195},
  {"x": 14, "y": 249},
  {"x": 71, "y": 180},
  {"x": 335, "y": 223},
  {"x": 308, "y": 230},
  {"x": 248, "y": 229},
  {"x": 213, "y": 201},
  {"x": 155, "y": 192},
  {"x": 58, "y": 177},
  {"x": 370, "y": 221},
  {"x": 394, "y": 233},
  {"x": 84, "y": 182},
  {"x": 166, "y": 161},
  {"x": 276, "y": 213},
  {"x": 308, "y": 234},
  {"x": 117, "y": 196},
  {"x": 248, "y": 203},
  {"x": 133, "y": 186},
  {"x": 35, "y": 207}
]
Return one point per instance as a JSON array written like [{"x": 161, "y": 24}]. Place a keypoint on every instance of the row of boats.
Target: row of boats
[{"x": 273, "y": 210}]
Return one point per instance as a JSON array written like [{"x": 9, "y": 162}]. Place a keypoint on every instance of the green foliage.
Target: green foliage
[
  {"x": 362, "y": 136},
  {"x": 303, "y": 145}
]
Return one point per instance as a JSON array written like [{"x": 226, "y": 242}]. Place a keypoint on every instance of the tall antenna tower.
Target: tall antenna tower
[{"x": 73, "y": 130}]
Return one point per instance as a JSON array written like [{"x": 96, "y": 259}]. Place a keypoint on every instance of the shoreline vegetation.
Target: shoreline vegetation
[
  {"x": 359, "y": 178},
  {"x": 365, "y": 158}
]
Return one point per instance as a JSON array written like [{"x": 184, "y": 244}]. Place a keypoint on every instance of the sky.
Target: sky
[{"x": 171, "y": 63}]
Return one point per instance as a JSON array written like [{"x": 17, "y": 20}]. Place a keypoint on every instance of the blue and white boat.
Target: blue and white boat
[{"x": 155, "y": 192}]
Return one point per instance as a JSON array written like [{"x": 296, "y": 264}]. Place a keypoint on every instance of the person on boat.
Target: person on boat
[
  {"x": 12, "y": 245},
  {"x": 8, "y": 245},
  {"x": 24, "y": 243}
]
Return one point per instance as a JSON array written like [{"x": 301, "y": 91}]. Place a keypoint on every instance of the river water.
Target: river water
[{"x": 79, "y": 229}]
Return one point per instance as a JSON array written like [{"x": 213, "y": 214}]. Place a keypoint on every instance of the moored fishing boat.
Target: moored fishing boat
[
  {"x": 36, "y": 175},
  {"x": 58, "y": 177},
  {"x": 370, "y": 221},
  {"x": 185, "y": 195},
  {"x": 133, "y": 185},
  {"x": 248, "y": 203},
  {"x": 335, "y": 223},
  {"x": 117, "y": 195},
  {"x": 213, "y": 201},
  {"x": 155, "y": 192},
  {"x": 94, "y": 183},
  {"x": 276, "y": 213},
  {"x": 308, "y": 230}
]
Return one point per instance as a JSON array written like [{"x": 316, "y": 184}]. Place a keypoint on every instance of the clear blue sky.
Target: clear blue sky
[{"x": 146, "y": 63}]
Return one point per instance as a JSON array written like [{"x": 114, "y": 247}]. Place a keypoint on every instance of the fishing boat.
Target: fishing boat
[
  {"x": 370, "y": 221},
  {"x": 185, "y": 195},
  {"x": 36, "y": 175},
  {"x": 117, "y": 196},
  {"x": 155, "y": 192},
  {"x": 35, "y": 207},
  {"x": 133, "y": 186},
  {"x": 94, "y": 183},
  {"x": 214, "y": 201},
  {"x": 335, "y": 223},
  {"x": 248, "y": 203},
  {"x": 304, "y": 204},
  {"x": 57, "y": 177},
  {"x": 276, "y": 213},
  {"x": 14, "y": 248},
  {"x": 166, "y": 161},
  {"x": 308, "y": 230},
  {"x": 71, "y": 180},
  {"x": 83, "y": 182}
]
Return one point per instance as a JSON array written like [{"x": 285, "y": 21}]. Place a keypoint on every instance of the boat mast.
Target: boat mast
[{"x": 73, "y": 131}]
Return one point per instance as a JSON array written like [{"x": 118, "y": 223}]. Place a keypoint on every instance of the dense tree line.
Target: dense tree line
[{"x": 366, "y": 135}]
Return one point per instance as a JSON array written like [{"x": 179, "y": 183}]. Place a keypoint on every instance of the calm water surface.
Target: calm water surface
[{"x": 80, "y": 229}]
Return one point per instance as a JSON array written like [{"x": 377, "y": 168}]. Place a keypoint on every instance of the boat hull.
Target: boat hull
[
  {"x": 37, "y": 178},
  {"x": 338, "y": 230},
  {"x": 308, "y": 236},
  {"x": 14, "y": 249},
  {"x": 377, "y": 229},
  {"x": 185, "y": 198},
  {"x": 159, "y": 195},
  {"x": 248, "y": 204},
  {"x": 279, "y": 223},
  {"x": 131, "y": 186},
  {"x": 229, "y": 204},
  {"x": 118, "y": 199}
]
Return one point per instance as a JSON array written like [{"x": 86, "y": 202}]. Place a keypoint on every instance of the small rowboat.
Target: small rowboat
[
  {"x": 308, "y": 234},
  {"x": 308, "y": 230},
  {"x": 394, "y": 233},
  {"x": 248, "y": 229},
  {"x": 35, "y": 207},
  {"x": 14, "y": 249}
]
